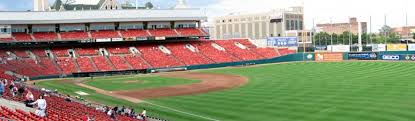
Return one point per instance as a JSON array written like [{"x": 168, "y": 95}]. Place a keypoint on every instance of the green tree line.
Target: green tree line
[{"x": 385, "y": 35}]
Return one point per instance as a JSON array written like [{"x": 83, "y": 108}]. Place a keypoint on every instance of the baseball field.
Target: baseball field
[{"x": 335, "y": 91}]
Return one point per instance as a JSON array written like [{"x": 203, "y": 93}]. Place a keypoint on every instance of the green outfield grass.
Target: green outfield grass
[
  {"x": 131, "y": 83},
  {"x": 349, "y": 91}
]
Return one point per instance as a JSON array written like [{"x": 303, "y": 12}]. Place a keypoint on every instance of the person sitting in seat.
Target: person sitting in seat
[
  {"x": 29, "y": 99},
  {"x": 1, "y": 88},
  {"x": 41, "y": 106}
]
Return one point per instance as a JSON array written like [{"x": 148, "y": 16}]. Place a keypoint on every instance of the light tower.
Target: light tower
[{"x": 181, "y": 4}]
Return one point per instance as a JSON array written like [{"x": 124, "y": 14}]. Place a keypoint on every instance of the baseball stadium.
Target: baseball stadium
[{"x": 113, "y": 62}]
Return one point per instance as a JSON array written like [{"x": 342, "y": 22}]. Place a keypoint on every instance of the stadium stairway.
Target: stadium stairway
[
  {"x": 110, "y": 63},
  {"x": 15, "y": 105},
  {"x": 93, "y": 64}
]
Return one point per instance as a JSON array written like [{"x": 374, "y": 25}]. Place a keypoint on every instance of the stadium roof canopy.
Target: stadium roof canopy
[{"x": 95, "y": 16}]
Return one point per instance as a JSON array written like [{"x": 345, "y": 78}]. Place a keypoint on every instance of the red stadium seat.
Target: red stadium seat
[
  {"x": 102, "y": 63},
  {"x": 22, "y": 37},
  {"x": 67, "y": 65},
  {"x": 86, "y": 64},
  {"x": 214, "y": 54},
  {"x": 186, "y": 55},
  {"x": 119, "y": 50},
  {"x": 163, "y": 33},
  {"x": 137, "y": 62},
  {"x": 6, "y": 40},
  {"x": 104, "y": 34},
  {"x": 87, "y": 51},
  {"x": 134, "y": 33},
  {"x": 45, "y": 36},
  {"x": 186, "y": 32},
  {"x": 120, "y": 63},
  {"x": 80, "y": 35},
  {"x": 244, "y": 54},
  {"x": 153, "y": 55}
]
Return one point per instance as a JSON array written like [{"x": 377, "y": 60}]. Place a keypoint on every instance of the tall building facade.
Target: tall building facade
[
  {"x": 40, "y": 5},
  {"x": 258, "y": 26},
  {"x": 339, "y": 28}
]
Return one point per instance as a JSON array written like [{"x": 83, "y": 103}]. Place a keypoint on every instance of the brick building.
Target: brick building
[{"x": 339, "y": 28}]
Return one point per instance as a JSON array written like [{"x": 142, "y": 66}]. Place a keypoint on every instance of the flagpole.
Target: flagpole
[{"x": 331, "y": 36}]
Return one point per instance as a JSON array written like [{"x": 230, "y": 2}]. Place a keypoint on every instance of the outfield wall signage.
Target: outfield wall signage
[
  {"x": 378, "y": 47},
  {"x": 391, "y": 57},
  {"x": 338, "y": 48},
  {"x": 362, "y": 56},
  {"x": 282, "y": 41},
  {"x": 408, "y": 57},
  {"x": 411, "y": 47},
  {"x": 396, "y": 47},
  {"x": 329, "y": 57}
]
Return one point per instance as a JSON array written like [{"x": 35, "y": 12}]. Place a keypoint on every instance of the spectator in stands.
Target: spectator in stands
[
  {"x": 20, "y": 91},
  {"x": 68, "y": 98},
  {"x": 41, "y": 106},
  {"x": 1, "y": 88},
  {"x": 14, "y": 91},
  {"x": 143, "y": 115},
  {"x": 29, "y": 99},
  {"x": 86, "y": 117},
  {"x": 11, "y": 86},
  {"x": 132, "y": 112}
]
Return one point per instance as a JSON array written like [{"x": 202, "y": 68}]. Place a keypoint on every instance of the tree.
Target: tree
[
  {"x": 149, "y": 5},
  {"x": 385, "y": 30},
  {"x": 413, "y": 35}
]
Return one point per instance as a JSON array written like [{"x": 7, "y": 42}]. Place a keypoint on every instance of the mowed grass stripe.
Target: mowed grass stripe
[{"x": 336, "y": 91}]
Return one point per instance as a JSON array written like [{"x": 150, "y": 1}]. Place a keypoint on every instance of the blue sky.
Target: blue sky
[{"x": 322, "y": 11}]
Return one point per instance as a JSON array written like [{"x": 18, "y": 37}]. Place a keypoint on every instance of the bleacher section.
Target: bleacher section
[
  {"x": 67, "y": 65},
  {"x": 163, "y": 33},
  {"x": 119, "y": 50},
  {"x": 136, "y": 62},
  {"x": 87, "y": 51},
  {"x": 102, "y": 63},
  {"x": 219, "y": 56},
  {"x": 74, "y": 36},
  {"x": 39, "y": 52},
  {"x": 120, "y": 58},
  {"x": 45, "y": 36},
  {"x": 134, "y": 33},
  {"x": 6, "y": 40},
  {"x": 192, "y": 32},
  {"x": 22, "y": 37},
  {"x": 153, "y": 55},
  {"x": 242, "y": 53},
  {"x": 120, "y": 63},
  {"x": 86, "y": 64},
  {"x": 21, "y": 53},
  {"x": 186, "y": 55},
  {"x": 104, "y": 34},
  {"x": 61, "y": 52}
]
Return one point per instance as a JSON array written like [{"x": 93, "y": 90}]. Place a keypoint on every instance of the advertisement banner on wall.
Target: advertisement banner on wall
[
  {"x": 391, "y": 57},
  {"x": 282, "y": 41},
  {"x": 338, "y": 48},
  {"x": 408, "y": 57},
  {"x": 329, "y": 57},
  {"x": 378, "y": 47},
  {"x": 396, "y": 47},
  {"x": 362, "y": 56},
  {"x": 411, "y": 47}
]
